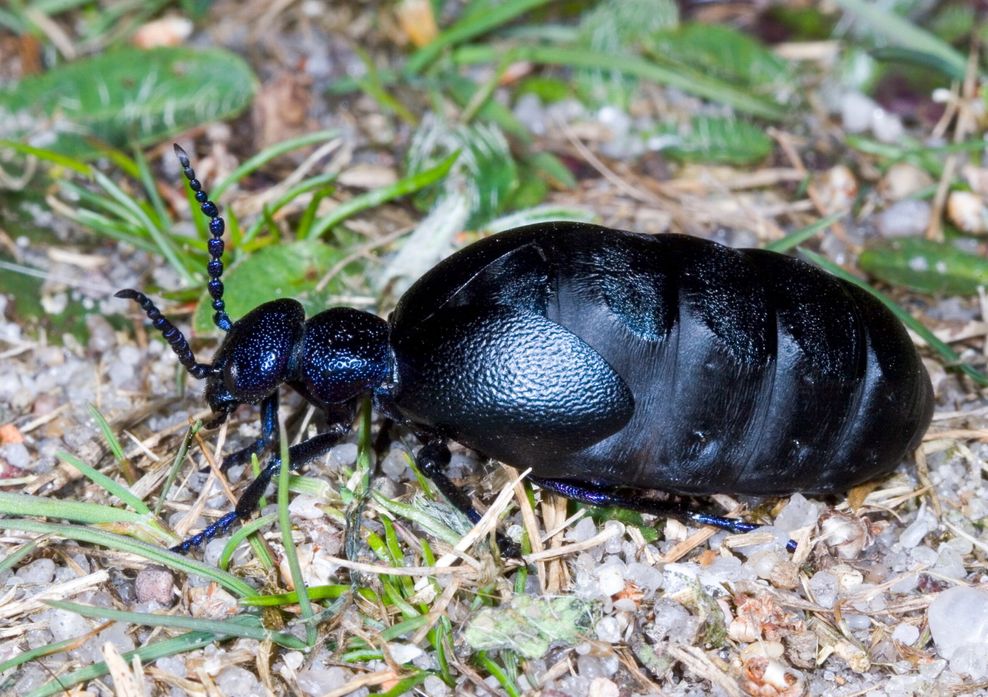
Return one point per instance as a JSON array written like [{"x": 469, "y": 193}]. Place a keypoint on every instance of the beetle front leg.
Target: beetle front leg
[
  {"x": 248, "y": 502},
  {"x": 269, "y": 435}
]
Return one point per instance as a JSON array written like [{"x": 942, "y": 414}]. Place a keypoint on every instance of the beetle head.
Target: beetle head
[{"x": 256, "y": 357}]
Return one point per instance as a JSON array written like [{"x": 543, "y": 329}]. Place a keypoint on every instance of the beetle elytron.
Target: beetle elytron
[{"x": 608, "y": 362}]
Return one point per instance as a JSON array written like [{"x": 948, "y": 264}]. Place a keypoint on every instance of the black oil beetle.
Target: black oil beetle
[{"x": 608, "y": 362}]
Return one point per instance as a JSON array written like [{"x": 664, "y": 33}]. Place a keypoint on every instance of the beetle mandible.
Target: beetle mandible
[{"x": 608, "y": 362}]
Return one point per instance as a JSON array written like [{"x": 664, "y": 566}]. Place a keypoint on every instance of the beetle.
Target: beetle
[{"x": 608, "y": 362}]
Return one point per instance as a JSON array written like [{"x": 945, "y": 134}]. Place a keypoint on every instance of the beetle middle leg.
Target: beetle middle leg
[
  {"x": 633, "y": 500},
  {"x": 432, "y": 459}
]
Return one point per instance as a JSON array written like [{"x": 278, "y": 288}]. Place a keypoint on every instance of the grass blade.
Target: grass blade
[
  {"x": 165, "y": 247},
  {"x": 797, "y": 237},
  {"x": 901, "y": 32},
  {"x": 142, "y": 526},
  {"x": 376, "y": 197},
  {"x": 113, "y": 442},
  {"x": 468, "y": 27},
  {"x": 247, "y": 626},
  {"x": 55, "y": 158},
  {"x": 692, "y": 82},
  {"x": 268, "y": 154},
  {"x": 97, "y": 477},
  {"x": 169, "y": 647},
  {"x": 291, "y": 555},
  {"x": 177, "y": 464},
  {"x": 155, "y": 554},
  {"x": 240, "y": 535}
]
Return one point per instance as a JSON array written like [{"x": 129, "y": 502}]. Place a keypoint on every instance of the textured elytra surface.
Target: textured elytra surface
[{"x": 750, "y": 372}]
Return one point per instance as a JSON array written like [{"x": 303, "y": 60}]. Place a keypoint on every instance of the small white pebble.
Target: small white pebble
[
  {"x": 610, "y": 579},
  {"x": 293, "y": 659},
  {"x": 319, "y": 681},
  {"x": 435, "y": 687},
  {"x": 172, "y": 665},
  {"x": 902, "y": 180},
  {"x": 971, "y": 660},
  {"x": 958, "y": 618},
  {"x": 906, "y": 218},
  {"x": 343, "y": 455},
  {"x": 798, "y": 513},
  {"x": 40, "y": 571},
  {"x": 886, "y": 126},
  {"x": 905, "y": 633},
  {"x": 856, "y": 110},
  {"x": 925, "y": 523},
  {"x": 609, "y": 630},
  {"x": 395, "y": 465},
  {"x": 404, "y": 653},
  {"x": 602, "y": 687},
  {"x": 646, "y": 577},
  {"x": 967, "y": 211},
  {"x": 16, "y": 455},
  {"x": 583, "y": 530},
  {"x": 305, "y": 506},
  {"x": 66, "y": 625},
  {"x": 823, "y": 585},
  {"x": 238, "y": 681}
]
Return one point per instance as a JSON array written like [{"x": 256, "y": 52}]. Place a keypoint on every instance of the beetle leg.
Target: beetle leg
[
  {"x": 432, "y": 460},
  {"x": 269, "y": 435},
  {"x": 298, "y": 455},
  {"x": 633, "y": 500}
]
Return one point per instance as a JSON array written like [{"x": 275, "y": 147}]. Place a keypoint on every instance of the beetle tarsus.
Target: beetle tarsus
[{"x": 208, "y": 533}]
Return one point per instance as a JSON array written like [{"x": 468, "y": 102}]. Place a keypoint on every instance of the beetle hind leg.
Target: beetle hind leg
[{"x": 633, "y": 500}]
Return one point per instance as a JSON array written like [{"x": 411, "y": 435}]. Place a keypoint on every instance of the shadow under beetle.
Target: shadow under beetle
[{"x": 608, "y": 362}]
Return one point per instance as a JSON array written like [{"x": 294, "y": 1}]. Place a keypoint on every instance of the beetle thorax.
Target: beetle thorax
[{"x": 345, "y": 353}]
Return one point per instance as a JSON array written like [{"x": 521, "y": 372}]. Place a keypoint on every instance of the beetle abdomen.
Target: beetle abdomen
[{"x": 751, "y": 372}]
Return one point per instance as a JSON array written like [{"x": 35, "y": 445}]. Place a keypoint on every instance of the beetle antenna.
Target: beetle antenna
[
  {"x": 170, "y": 332},
  {"x": 216, "y": 227}
]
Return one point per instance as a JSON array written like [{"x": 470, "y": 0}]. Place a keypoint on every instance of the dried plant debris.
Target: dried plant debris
[
  {"x": 384, "y": 136},
  {"x": 529, "y": 626}
]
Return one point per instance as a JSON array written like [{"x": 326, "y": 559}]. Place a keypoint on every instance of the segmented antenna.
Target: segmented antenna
[
  {"x": 168, "y": 330},
  {"x": 216, "y": 227}
]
